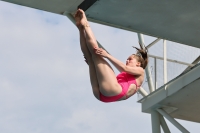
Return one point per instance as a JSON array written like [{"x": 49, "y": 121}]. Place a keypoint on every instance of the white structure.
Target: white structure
[{"x": 170, "y": 20}]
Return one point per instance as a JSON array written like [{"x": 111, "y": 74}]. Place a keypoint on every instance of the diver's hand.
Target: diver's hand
[{"x": 101, "y": 52}]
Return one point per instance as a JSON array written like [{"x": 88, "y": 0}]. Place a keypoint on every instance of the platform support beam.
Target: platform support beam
[
  {"x": 70, "y": 17},
  {"x": 173, "y": 121},
  {"x": 142, "y": 92},
  {"x": 154, "y": 42},
  {"x": 164, "y": 124},
  {"x": 147, "y": 70},
  {"x": 155, "y": 120}
]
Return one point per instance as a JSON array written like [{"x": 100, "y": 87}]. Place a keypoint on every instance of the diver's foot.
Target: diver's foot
[
  {"x": 77, "y": 18},
  {"x": 81, "y": 19},
  {"x": 84, "y": 18}
]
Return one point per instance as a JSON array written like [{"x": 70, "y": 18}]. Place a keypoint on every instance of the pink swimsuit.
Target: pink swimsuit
[{"x": 125, "y": 80}]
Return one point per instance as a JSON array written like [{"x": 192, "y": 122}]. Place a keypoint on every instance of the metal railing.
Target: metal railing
[{"x": 168, "y": 60}]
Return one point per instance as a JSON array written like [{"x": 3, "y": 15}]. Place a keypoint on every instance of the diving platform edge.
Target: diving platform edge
[{"x": 180, "y": 97}]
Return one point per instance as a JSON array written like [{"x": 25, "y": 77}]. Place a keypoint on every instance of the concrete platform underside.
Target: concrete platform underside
[{"x": 176, "y": 20}]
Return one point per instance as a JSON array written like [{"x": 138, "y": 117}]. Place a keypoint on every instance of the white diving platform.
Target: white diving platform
[{"x": 180, "y": 97}]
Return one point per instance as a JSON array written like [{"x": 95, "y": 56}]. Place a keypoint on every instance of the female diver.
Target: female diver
[{"x": 106, "y": 86}]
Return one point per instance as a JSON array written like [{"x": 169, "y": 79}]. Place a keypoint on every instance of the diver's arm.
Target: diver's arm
[
  {"x": 122, "y": 67},
  {"x": 118, "y": 64}
]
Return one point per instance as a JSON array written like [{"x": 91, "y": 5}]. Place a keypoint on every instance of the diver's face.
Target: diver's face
[{"x": 132, "y": 61}]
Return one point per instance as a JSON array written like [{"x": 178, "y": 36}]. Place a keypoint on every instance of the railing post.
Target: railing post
[
  {"x": 165, "y": 61},
  {"x": 148, "y": 74},
  {"x": 155, "y": 72}
]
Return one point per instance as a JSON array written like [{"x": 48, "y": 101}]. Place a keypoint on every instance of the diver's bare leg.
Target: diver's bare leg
[
  {"x": 108, "y": 84},
  {"x": 87, "y": 55}
]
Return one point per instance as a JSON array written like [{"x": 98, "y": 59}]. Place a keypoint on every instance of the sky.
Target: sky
[{"x": 44, "y": 81}]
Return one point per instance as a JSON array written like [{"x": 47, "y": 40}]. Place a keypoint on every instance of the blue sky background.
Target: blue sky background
[{"x": 44, "y": 81}]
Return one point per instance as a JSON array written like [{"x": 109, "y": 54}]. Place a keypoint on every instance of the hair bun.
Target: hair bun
[{"x": 144, "y": 56}]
